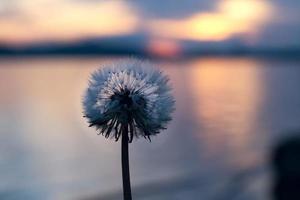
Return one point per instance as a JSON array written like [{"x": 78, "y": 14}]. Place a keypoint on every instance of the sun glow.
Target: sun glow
[
  {"x": 163, "y": 48},
  {"x": 231, "y": 17}
]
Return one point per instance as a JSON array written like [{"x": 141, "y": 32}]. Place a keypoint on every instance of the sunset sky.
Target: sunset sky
[{"x": 255, "y": 22}]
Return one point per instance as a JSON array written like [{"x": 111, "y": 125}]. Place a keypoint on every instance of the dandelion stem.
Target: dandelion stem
[{"x": 125, "y": 164}]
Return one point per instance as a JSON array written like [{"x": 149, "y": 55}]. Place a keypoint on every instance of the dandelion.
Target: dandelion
[{"x": 128, "y": 99}]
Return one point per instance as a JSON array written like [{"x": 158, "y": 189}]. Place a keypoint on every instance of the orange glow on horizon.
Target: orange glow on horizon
[{"x": 163, "y": 48}]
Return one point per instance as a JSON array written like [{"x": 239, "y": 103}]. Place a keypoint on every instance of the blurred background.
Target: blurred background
[{"x": 234, "y": 66}]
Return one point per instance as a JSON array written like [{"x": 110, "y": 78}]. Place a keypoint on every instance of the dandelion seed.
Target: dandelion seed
[{"x": 128, "y": 92}]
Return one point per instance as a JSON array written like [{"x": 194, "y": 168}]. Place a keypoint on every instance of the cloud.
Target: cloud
[
  {"x": 53, "y": 20},
  {"x": 8, "y": 9},
  {"x": 166, "y": 9},
  {"x": 228, "y": 19},
  {"x": 265, "y": 22},
  {"x": 174, "y": 9},
  {"x": 284, "y": 28}
]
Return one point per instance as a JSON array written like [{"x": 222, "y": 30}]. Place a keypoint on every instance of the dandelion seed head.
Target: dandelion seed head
[{"x": 129, "y": 93}]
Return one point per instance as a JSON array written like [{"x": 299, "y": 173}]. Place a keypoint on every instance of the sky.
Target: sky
[{"x": 272, "y": 23}]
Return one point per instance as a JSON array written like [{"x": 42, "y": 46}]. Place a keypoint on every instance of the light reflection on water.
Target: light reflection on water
[
  {"x": 226, "y": 102},
  {"x": 228, "y": 112}
]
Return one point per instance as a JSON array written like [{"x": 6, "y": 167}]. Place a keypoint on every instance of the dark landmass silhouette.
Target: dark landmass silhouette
[{"x": 137, "y": 45}]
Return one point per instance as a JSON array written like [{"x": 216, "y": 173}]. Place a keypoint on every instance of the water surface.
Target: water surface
[{"x": 229, "y": 112}]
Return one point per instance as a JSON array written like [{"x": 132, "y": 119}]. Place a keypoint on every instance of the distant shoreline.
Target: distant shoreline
[{"x": 92, "y": 53}]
